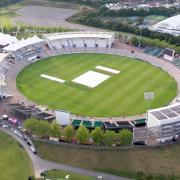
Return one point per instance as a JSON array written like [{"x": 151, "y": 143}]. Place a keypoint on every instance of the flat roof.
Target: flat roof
[
  {"x": 168, "y": 112},
  {"x": 172, "y": 23},
  {"x": 80, "y": 34}
]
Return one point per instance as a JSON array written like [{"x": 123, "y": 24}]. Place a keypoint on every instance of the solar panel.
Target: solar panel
[
  {"x": 168, "y": 113},
  {"x": 176, "y": 109},
  {"x": 158, "y": 115}
]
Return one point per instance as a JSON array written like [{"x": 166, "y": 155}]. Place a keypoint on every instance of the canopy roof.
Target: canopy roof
[
  {"x": 80, "y": 34},
  {"x": 6, "y": 39},
  {"x": 23, "y": 43}
]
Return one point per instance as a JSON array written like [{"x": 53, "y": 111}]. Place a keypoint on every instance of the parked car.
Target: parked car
[
  {"x": 33, "y": 149},
  {"x": 5, "y": 126},
  {"x": 28, "y": 143}
]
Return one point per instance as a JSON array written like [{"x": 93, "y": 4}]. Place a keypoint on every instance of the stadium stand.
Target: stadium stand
[
  {"x": 79, "y": 39},
  {"x": 138, "y": 122},
  {"x": 157, "y": 52},
  {"x": 30, "y": 111},
  {"x": 87, "y": 123},
  {"x": 6, "y": 39},
  {"x": 110, "y": 126},
  {"x": 176, "y": 62},
  {"x": 28, "y": 48},
  {"x": 76, "y": 123}
]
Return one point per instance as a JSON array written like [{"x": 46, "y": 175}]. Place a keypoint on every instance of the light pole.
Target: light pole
[
  {"x": 2, "y": 77},
  {"x": 148, "y": 96}
]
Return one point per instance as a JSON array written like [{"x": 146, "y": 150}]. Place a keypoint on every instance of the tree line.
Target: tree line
[
  {"x": 8, "y": 2},
  {"x": 162, "y": 11},
  {"x": 82, "y": 135},
  {"x": 95, "y": 19}
]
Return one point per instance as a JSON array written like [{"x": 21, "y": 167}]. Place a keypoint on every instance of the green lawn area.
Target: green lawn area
[
  {"x": 161, "y": 162},
  {"x": 15, "y": 163},
  {"x": 122, "y": 94},
  {"x": 55, "y": 174}
]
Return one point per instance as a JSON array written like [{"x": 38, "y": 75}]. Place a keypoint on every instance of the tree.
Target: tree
[
  {"x": 31, "y": 125},
  {"x": 125, "y": 137},
  {"x": 109, "y": 138},
  {"x": 36, "y": 127},
  {"x": 69, "y": 132},
  {"x": 43, "y": 129},
  {"x": 55, "y": 130},
  {"x": 82, "y": 134},
  {"x": 97, "y": 136}
]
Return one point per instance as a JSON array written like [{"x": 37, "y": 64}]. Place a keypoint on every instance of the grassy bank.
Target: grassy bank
[
  {"x": 161, "y": 162},
  {"x": 54, "y": 174},
  {"x": 15, "y": 163}
]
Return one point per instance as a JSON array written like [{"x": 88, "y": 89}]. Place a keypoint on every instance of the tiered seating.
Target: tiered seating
[
  {"x": 87, "y": 123},
  {"x": 98, "y": 124},
  {"x": 138, "y": 122},
  {"x": 157, "y": 52},
  {"x": 176, "y": 62},
  {"x": 76, "y": 123},
  {"x": 110, "y": 126},
  {"x": 124, "y": 125}
]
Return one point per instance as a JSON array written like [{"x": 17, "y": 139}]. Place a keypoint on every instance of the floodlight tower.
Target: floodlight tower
[
  {"x": 1, "y": 87},
  {"x": 148, "y": 96}
]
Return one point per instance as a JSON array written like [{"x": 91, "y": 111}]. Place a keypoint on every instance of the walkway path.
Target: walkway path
[{"x": 41, "y": 165}]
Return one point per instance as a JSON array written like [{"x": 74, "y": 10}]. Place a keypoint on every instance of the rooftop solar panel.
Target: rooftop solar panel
[
  {"x": 169, "y": 113},
  {"x": 158, "y": 115}
]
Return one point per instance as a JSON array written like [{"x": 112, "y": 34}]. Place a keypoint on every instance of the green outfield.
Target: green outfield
[{"x": 121, "y": 95}]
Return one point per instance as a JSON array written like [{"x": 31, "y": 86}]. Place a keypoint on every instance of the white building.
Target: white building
[
  {"x": 165, "y": 122},
  {"x": 79, "y": 39},
  {"x": 170, "y": 25}
]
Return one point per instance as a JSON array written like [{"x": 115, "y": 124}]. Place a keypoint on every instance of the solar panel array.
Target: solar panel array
[{"x": 167, "y": 113}]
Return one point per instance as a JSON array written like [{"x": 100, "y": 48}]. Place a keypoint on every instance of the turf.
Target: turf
[
  {"x": 54, "y": 174},
  {"x": 15, "y": 163},
  {"x": 120, "y": 95}
]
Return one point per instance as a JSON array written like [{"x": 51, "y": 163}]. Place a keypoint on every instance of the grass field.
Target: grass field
[
  {"x": 14, "y": 162},
  {"x": 120, "y": 95},
  {"x": 161, "y": 162},
  {"x": 55, "y": 174}
]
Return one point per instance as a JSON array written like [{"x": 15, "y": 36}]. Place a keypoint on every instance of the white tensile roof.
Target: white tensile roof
[
  {"x": 172, "y": 23},
  {"x": 23, "y": 43},
  {"x": 80, "y": 34},
  {"x": 6, "y": 39}
]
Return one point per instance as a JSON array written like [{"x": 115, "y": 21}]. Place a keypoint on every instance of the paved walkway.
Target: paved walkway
[{"x": 41, "y": 165}]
